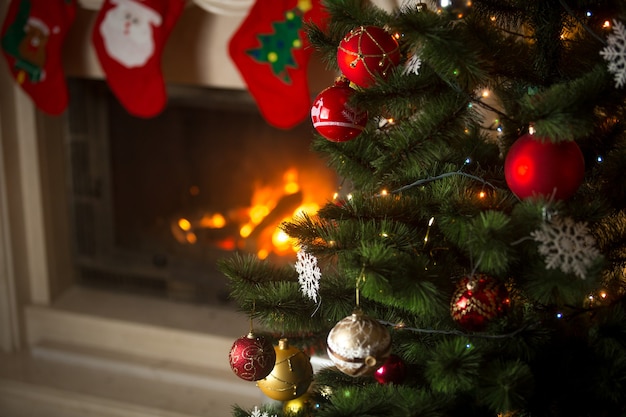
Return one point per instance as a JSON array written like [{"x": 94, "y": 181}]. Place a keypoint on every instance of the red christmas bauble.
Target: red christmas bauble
[
  {"x": 535, "y": 167},
  {"x": 393, "y": 371},
  {"x": 252, "y": 357},
  {"x": 477, "y": 300},
  {"x": 333, "y": 117},
  {"x": 367, "y": 52}
]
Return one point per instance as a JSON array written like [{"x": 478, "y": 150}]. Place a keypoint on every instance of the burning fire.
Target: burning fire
[{"x": 256, "y": 228}]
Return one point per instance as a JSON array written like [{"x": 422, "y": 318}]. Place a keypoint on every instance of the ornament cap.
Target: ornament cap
[
  {"x": 342, "y": 81},
  {"x": 357, "y": 314},
  {"x": 283, "y": 344}
]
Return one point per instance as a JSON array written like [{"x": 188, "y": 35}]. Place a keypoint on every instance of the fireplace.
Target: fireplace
[{"x": 156, "y": 202}]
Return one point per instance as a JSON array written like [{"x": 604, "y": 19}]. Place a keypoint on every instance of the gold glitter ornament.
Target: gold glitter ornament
[
  {"x": 358, "y": 345},
  {"x": 292, "y": 374}
]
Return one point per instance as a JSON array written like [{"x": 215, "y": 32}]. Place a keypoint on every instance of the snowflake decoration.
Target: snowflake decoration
[
  {"x": 257, "y": 413},
  {"x": 412, "y": 65},
  {"x": 615, "y": 53},
  {"x": 566, "y": 245},
  {"x": 309, "y": 274}
]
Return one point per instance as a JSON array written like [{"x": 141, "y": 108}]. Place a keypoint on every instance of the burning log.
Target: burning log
[{"x": 284, "y": 208}]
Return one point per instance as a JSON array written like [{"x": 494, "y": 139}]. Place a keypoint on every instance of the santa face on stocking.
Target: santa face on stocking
[{"x": 127, "y": 32}]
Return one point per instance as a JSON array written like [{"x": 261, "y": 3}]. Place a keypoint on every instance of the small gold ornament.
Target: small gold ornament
[
  {"x": 358, "y": 345},
  {"x": 292, "y": 374}
]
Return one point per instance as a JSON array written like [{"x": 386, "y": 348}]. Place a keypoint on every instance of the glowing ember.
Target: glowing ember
[
  {"x": 213, "y": 221},
  {"x": 184, "y": 224}
]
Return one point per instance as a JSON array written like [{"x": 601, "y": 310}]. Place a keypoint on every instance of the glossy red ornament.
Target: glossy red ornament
[
  {"x": 535, "y": 167},
  {"x": 252, "y": 357},
  {"x": 333, "y": 117},
  {"x": 367, "y": 52},
  {"x": 477, "y": 300},
  {"x": 393, "y": 371}
]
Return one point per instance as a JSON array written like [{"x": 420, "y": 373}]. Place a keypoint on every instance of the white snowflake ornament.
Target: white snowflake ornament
[
  {"x": 257, "y": 413},
  {"x": 615, "y": 53},
  {"x": 309, "y": 274},
  {"x": 412, "y": 65},
  {"x": 567, "y": 245}
]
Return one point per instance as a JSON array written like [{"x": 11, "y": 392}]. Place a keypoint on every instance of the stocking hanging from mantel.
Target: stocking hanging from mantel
[
  {"x": 129, "y": 37},
  {"x": 32, "y": 36},
  {"x": 270, "y": 50}
]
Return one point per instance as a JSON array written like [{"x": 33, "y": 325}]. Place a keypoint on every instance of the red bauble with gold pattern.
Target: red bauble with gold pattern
[
  {"x": 252, "y": 357},
  {"x": 478, "y": 299},
  {"x": 332, "y": 115},
  {"x": 393, "y": 371},
  {"x": 367, "y": 52},
  {"x": 535, "y": 167}
]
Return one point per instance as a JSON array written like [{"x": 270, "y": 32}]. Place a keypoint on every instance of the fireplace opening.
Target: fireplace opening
[{"x": 156, "y": 202}]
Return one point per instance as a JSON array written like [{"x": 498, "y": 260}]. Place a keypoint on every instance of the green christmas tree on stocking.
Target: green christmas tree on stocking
[
  {"x": 277, "y": 47},
  {"x": 271, "y": 51}
]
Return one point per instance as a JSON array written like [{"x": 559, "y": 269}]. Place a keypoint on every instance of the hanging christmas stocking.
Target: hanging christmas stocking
[
  {"x": 32, "y": 36},
  {"x": 129, "y": 37},
  {"x": 271, "y": 51}
]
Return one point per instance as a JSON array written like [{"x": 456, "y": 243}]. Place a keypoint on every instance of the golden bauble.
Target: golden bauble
[
  {"x": 358, "y": 345},
  {"x": 292, "y": 374}
]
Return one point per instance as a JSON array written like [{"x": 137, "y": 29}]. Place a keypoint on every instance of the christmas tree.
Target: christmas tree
[{"x": 474, "y": 261}]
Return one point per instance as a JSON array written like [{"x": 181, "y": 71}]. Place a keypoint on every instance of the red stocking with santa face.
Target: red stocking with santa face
[
  {"x": 129, "y": 37},
  {"x": 32, "y": 36},
  {"x": 271, "y": 51}
]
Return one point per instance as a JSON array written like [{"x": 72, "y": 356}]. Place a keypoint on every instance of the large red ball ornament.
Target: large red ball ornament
[
  {"x": 477, "y": 300},
  {"x": 393, "y": 371},
  {"x": 367, "y": 52},
  {"x": 535, "y": 167},
  {"x": 252, "y": 357},
  {"x": 333, "y": 117}
]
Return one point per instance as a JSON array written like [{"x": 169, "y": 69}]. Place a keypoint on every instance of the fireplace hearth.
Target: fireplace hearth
[{"x": 156, "y": 202}]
